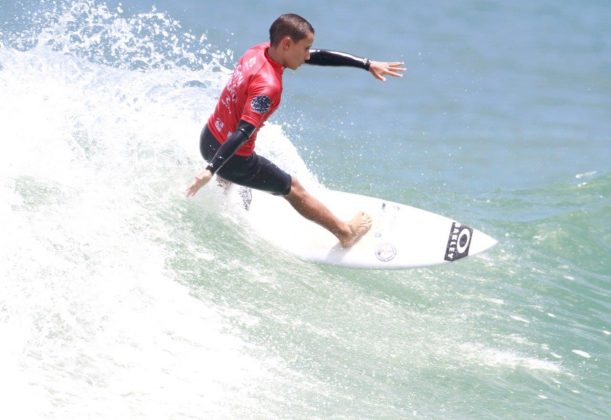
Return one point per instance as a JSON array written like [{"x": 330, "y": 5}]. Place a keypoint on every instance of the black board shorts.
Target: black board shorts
[{"x": 250, "y": 171}]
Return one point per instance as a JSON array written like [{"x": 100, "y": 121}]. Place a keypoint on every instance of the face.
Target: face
[{"x": 296, "y": 53}]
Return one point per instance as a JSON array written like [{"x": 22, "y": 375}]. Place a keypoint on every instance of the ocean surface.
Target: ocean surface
[{"x": 122, "y": 299}]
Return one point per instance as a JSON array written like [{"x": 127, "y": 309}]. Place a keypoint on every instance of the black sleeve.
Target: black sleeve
[
  {"x": 233, "y": 143},
  {"x": 334, "y": 58}
]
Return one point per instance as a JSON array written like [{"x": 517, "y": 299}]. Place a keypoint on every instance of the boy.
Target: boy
[{"x": 253, "y": 93}]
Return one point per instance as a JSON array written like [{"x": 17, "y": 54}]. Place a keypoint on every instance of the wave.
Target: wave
[
  {"x": 101, "y": 115},
  {"x": 118, "y": 288}
]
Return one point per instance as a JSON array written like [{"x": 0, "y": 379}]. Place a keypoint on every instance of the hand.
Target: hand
[
  {"x": 381, "y": 68},
  {"x": 199, "y": 182}
]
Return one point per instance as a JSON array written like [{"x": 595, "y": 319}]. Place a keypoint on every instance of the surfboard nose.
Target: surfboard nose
[{"x": 481, "y": 242}]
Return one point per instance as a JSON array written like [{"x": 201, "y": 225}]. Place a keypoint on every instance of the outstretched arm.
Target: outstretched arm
[{"x": 378, "y": 69}]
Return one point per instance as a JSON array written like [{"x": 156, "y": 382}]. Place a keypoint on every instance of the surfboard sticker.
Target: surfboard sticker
[
  {"x": 386, "y": 252},
  {"x": 459, "y": 242}
]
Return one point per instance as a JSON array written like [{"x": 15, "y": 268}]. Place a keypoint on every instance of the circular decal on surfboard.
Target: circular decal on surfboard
[{"x": 386, "y": 252}]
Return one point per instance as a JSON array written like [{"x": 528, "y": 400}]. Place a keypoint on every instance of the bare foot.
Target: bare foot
[{"x": 359, "y": 226}]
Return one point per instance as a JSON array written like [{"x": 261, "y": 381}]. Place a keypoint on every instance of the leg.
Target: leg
[
  {"x": 309, "y": 207},
  {"x": 259, "y": 173}
]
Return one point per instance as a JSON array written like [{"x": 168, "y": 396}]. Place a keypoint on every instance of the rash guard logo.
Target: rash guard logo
[{"x": 261, "y": 104}]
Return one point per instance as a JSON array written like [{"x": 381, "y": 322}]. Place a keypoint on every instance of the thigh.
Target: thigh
[
  {"x": 268, "y": 177},
  {"x": 257, "y": 172},
  {"x": 253, "y": 171}
]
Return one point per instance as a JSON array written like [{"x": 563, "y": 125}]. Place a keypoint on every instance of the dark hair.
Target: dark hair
[{"x": 291, "y": 25}]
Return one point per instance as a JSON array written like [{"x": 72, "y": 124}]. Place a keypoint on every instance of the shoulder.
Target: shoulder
[
  {"x": 263, "y": 73},
  {"x": 265, "y": 84},
  {"x": 254, "y": 55}
]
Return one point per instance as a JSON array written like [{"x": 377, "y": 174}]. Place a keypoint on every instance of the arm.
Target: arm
[
  {"x": 233, "y": 143},
  {"x": 377, "y": 68},
  {"x": 223, "y": 154},
  {"x": 335, "y": 58}
]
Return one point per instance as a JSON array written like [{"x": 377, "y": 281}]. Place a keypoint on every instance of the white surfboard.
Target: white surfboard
[{"x": 400, "y": 237}]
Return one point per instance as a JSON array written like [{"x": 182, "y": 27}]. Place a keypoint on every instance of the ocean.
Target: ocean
[{"x": 122, "y": 299}]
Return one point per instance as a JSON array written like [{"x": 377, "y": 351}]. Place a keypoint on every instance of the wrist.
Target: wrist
[{"x": 204, "y": 176}]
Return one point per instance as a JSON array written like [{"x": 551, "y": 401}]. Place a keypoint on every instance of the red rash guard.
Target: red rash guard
[{"x": 252, "y": 94}]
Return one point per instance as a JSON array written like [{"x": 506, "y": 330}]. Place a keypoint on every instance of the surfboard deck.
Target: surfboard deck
[{"x": 401, "y": 236}]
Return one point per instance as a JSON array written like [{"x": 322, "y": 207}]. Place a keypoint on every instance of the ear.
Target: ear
[{"x": 286, "y": 42}]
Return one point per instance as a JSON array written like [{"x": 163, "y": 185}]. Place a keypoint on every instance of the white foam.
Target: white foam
[
  {"x": 520, "y": 319},
  {"x": 273, "y": 143},
  {"x": 581, "y": 353},
  {"x": 93, "y": 160},
  {"x": 585, "y": 175},
  {"x": 504, "y": 358}
]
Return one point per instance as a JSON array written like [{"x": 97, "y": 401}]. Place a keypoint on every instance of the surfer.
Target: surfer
[{"x": 252, "y": 94}]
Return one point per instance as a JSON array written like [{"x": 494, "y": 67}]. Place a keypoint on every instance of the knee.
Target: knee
[
  {"x": 297, "y": 189},
  {"x": 295, "y": 183}
]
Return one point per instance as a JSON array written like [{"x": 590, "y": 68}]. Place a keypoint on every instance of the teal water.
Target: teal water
[{"x": 119, "y": 298}]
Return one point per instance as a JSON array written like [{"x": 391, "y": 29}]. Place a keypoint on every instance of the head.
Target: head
[{"x": 291, "y": 38}]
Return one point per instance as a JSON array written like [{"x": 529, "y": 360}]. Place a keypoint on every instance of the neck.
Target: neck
[{"x": 275, "y": 55}]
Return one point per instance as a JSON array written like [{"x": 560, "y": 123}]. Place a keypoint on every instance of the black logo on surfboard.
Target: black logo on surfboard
[{"x": 458, "y": 242}]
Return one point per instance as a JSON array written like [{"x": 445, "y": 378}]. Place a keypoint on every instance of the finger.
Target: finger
[
  {"x": 190, "y": 192},
  {"x": 393, "y": 64},
  {"x": 397, "y": 65},
  {"x": 394, "y": 74}
]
